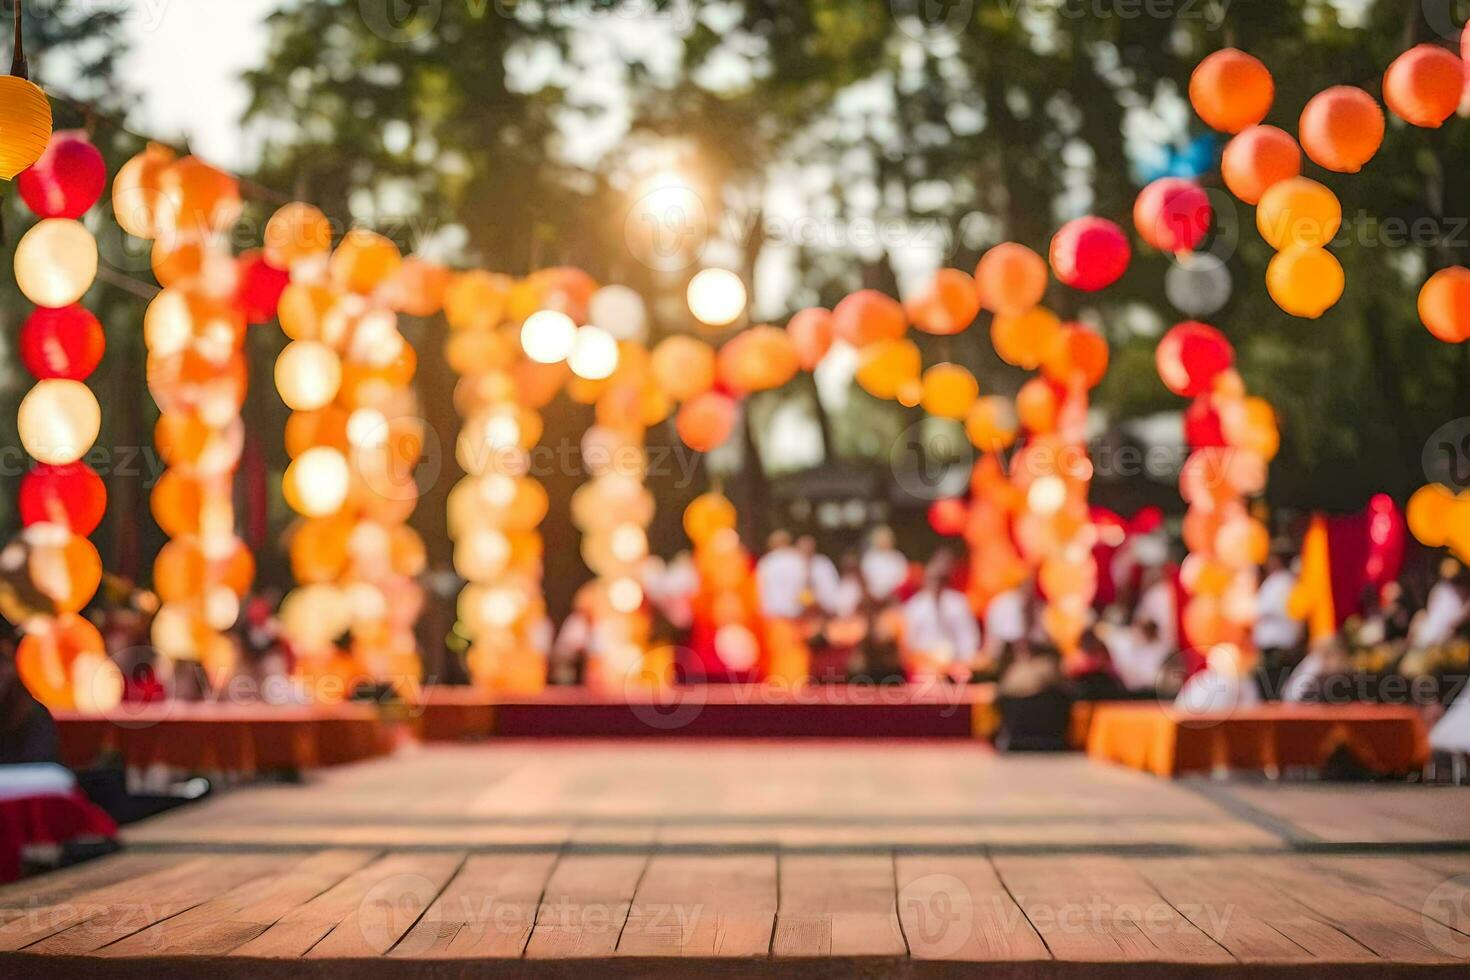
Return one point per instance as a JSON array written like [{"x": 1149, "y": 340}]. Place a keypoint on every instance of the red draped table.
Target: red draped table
[
  {"x": 1158, "y": 739},
  {"x": 240, "y": 739}
]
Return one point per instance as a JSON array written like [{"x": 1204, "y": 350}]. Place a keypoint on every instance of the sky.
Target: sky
[{"x": 186, "y": 60}]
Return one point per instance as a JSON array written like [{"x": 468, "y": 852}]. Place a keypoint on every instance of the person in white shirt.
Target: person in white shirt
[
  {"x": 1223, "y": 686},
  {"x": 1007, "y": 620},
  {"x": 1156, "y": 605},
  {"x": 844, "y": 595},
  {"x": 1444, "y": 611},
  {"x": 783, "y": 578},
  {"x": 822, "y": 578},
  {"x": 1138, "y": 653},
  {"x": 940, "y": 632},
  {"x": 884, "y": 567},
  {"x": 1275, "y": 628}
]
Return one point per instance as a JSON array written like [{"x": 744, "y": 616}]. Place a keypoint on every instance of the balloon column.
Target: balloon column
[
  {"x": 354, "y": 438},
  {"x": 726, "y": 609},
  {"x": 1440, "y": 518},
  {"x": 51, "y": 570},
  {"x": 194, "y": 332},
  {"x": 1232, "y": 438}
]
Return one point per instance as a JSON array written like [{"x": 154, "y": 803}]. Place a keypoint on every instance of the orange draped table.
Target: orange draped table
[
  {"x": 1155, "y": 738},
  {"x": 241, "y": 739}
]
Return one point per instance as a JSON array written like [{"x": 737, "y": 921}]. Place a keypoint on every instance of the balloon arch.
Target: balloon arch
[{"x": 355, "y": 433}]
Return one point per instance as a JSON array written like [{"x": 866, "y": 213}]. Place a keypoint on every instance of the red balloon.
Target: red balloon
[
  {"x": 62, "y": 343},
  {"x": 1090, "y": 253},
  {"x": 72, "y": 495},
  {"x": 260, "y": 289},
  {"x": 948, "y": 516},
  {"x": 1172, "y": 214},
  {"x": 1191, "y": 356},
  {"x": 69, "y": 177},
  {"x": 1202, "y": 428}
]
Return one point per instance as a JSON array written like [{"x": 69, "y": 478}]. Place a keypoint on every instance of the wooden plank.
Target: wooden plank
[
  {"x": 300, "y": 929},
  {"x": 128, "y": 907},
  {"x": 1100, "y": 909},
  {"x": 837, "y": 905},
  {"x": 956, "y": 908},
  {"x": 703, "y": 905},
  {"x": 1254, "y": 921},
  {"x": 241, "y": 914},
  {"x": 1441, "y": 894},
  {"x": 487, "y": 911},
  {"x": 392, "y": 904},
  {"x": 23, "y": 897},
  {"x": 586, "y": 905},
  {"x": 1387, "y": 928}
]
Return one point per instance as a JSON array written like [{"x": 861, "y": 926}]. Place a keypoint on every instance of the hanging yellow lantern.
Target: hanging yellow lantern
[{"x": 25, "y": 124}]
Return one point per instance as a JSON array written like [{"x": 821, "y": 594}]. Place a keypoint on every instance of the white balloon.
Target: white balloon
[
  {"x": 621, "y": 312},
  {"x": 1198, "y": 285}
]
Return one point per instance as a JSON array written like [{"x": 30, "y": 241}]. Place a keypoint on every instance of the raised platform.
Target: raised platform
[
  {"x": 763, "y": 859},
  {"x": 240, "y": 740},
  {"x": 715, "y": 711}
]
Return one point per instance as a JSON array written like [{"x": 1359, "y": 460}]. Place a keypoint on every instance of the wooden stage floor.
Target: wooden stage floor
[{"x": 799, "y": 859}]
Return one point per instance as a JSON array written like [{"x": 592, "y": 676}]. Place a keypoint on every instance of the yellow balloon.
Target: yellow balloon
[
  {"x": 1305, "y": 281},
  {"x": 308, "y": 375},
  {"x": 25, "y": 121},
  {"x": 1428, "y": 514},
  {"x": 886, "y": 366},
  {"x": 1298, "y": 211},
  {"x": 949, "y": 391}
]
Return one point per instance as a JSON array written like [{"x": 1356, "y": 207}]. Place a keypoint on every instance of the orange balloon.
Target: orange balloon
[
  {"x": 1250, "y": 424},
  {"x": 1037, "y": 406},
  {"x": 322, "y": 427},
  {"x": 1444, "y": 304},
  {"x": 480, "y": 351},
  {"x": 1423, "y": 86},
  {"x": 1076, "y": 355},
  {"x": 1428, "y": 514},
  {"x": 1298, "y": 211},
  {"x": 1257, "y": 159},
  {"x": 364, "y": 260},
  {"x": 296, "y": 233},
  {"x": 65, "y": 568},
  {"x": 563, "y": 288},
  {"x": 304, "y": 310},
  {"x": 758, "y": 359},
  {"x": 947, "y": 305},
  {"x": 1024, "y": 339},
  {"x": 417, "y": 289},
  {"x": 1341, "y": 128},
  {"x": 683, "y": 366},
  {"x": 137, "y": 191},
  {"x": 949, "y": 391},
  {"x": 176, "y": 503},
  {"x": 886, "y": 367},
  {"x": 706, "y": 421},
  {"x": 811, "y": 332},
  {"x": 476, "y": 300},
  {"x": 197, "y": 199},
  {"x": 179, "y": 571},
  {"x": 991, "y": 424},
  {"x": 1304, "y": 281},
  {"x": 46, "y": 657},
  {"x": 1011, "y": 279},
  {"x": 536, "y": 384},
  {"x": 1243, "y": 542},
  {"x": 706, "y": 515},
  {"x": 868, "y": 317},
  {"x": 1231, "y": 90}
]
